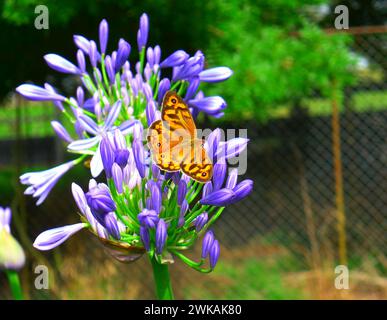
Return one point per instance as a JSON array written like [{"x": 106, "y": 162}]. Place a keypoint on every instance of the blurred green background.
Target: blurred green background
[{"x": 292, "y": 71}]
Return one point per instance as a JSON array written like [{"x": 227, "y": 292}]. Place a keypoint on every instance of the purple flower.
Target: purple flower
[
  {"x": 220, "y": 198},
  {"x": 214, "y": 253},
  {"x": 212, "y": 143},
  {"x": 103, "y": 35},
  {"x": 183, "y": 210},
  {"x": 60, "y": 64},
  {"x": 231, "y": 148},
  {"x": 93, "y": 53},
  {"x": 122, "y": 54},
  {"x": 117, "y": 177},
  {"x": 80, "y": 96},
  {"x": 175, "y": 59},
  {"x": 155, "y": 194},
  {"x": 161, "y": 236},
  {"x": 192, "y": 88},
  {"x": 52, "y": 238},
  {"x": 145, "y": 238},
  {"x": 100, "y": 202},
  {"x": 79, "y": 197},
  {"x": 148, "y": 218},
  {"x": 107, "y": 156},
  {"x": 142, "y": 34},
  {"x": 41, "y": 183},
  {"x": 61, "y": 131},
  {"x": 5, "y": 219},
  {"x": 111, "y": 225},
  {"x": 181, "y": 192},
  {"x": 150, "y": 112},
  {"x": 200, "y": 221},
  {"x": 210, "y": 105},
  {"x": 36, "y": 93},
  {"x": 110, "y": 70},
  {"x": 220, "y": 170},
  {"x": 82, "y": 43},
  {"x": 164, "y": 86},
  {"x": 81, "y": 61},
  {"x": 243, "y": 189},
  {"x": 207, "y": 189},
  {"x": 121, "y": 157},
  {"x": 192, "y": 67},
  {"x": 232, "y": 179},
  {"x": 215, "y": 74},
  {"x": 208, "y": 240},
  {"x": 139, "y": 156}
]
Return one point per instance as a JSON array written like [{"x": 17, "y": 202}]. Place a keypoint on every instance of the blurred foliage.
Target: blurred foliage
[
  {"x": 278, "y": 55},
  {"x": 277, "y": 50}
]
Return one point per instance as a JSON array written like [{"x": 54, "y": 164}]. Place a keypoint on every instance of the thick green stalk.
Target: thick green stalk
[
  {"x": 14, "y": 283},
  {"x": 162, "y": 280}
]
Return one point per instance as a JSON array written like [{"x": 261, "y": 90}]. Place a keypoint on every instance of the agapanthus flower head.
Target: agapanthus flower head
[
  {"x": 12, "y": 256},
  {"x": 134, "y": 205}
]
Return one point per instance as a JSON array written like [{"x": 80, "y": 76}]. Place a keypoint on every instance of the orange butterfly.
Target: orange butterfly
[{"x": 173, "y": 141}]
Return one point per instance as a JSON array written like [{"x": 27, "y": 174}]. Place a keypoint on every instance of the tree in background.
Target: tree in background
[{"x": 279, "y": 53}]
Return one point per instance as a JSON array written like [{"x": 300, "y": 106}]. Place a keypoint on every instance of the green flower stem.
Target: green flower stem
[
  {"x": 192, "y": 264},
  {"x": 162, "y": 280},
  {"x": 14, "y": 283}
]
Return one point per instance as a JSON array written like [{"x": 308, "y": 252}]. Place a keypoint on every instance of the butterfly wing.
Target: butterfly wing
[
  {"x": 167, "y": 152},
  {"x": 196, "y": 163},
  {"x": 175, "y": 111}
]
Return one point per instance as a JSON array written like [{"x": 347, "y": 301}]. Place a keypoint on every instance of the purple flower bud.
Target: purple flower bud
[
  {"x": 110, "y": 70},
  {"x": 144, "y": 235},
  {"x": 107, "y": 155},
  {"x": 52, "y": 238},
  {"x": 210, "y": 105},
  {"x": 117, "y": 177},
  {"x": 164, "y": 86},
  {"x": 142, "y": 34},
  {"x": 82, "y": 43},
  {"x": 155, "y": 172},
  {"x": 80, "y": 96},
  {"x": 181, "y": 192},
  {"x": 215, "y": 74},
  {"x": 213, "y": 142},
  {"x": 139, "y": 156},
  {"x": 192, "y": 67},
  {"x": 61, "y": 131},
  {"x": 100, "y": 202},
  {"x": 192, "y": 88},
  {"x": 147, "y": 72},
  {"x": 60, "y": 64},
  {"x": 111, "y": 225},
  {"x": 122, "y": 54},
  {"x": 157, "y": 54},
  {"x": 243, "y": 189},
  {"x": 207, "y": 189},
  {"x": 232, "y": 179},
  {"x": 220, "y": 170},
  {"x": 79, "y": 197},
  {"x": 150, "y": 58},
  {"x": 156, "y": 197},
  {"x": 150, "y": 112},
  {"x": 183, "y": 210},
  {"x": 220, "y": 198},
  {"x": 214, "y": 254},
  {"x": 36, "y": 93},
  {"x": 231, "y": 148},
  {"x": 208, "y": 240},
  {"x": 81, "y": 61},
  {"x": 175, "y": 59},
  {"x": 121, "y": 157},
  {"x": 93, "y": 53},
  {"x": 148, "y": 218},
  {"x": 161, "y": 236},
  {"x": 119, "y": 140},
  {"x": 103, "y": 35},
  {"x": 200, "y": 221}
]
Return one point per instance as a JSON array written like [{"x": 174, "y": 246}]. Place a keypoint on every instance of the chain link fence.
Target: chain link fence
[{"x": 284, "y": 241}]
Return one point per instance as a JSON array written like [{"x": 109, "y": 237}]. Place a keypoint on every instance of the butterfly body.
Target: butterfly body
[{"x": 173, "y": 141}]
